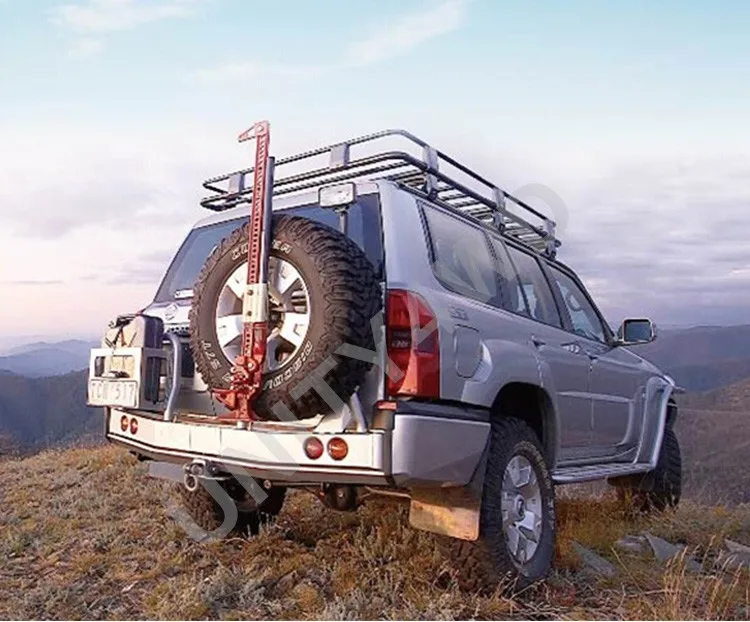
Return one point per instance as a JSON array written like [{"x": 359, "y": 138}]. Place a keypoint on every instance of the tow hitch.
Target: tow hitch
[{"x": 198, "y": 470}]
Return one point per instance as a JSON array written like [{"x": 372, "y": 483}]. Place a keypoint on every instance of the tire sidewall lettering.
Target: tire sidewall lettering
[
  {"x": 240, "y": 251},
  {"x": 273, "y": 381}
]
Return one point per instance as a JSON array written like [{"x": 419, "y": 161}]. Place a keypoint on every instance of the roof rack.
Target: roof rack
[{"x": 463, "y": 190}]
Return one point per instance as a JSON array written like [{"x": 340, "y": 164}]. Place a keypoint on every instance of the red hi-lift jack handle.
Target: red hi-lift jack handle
[{"x": 247, "y": 371}]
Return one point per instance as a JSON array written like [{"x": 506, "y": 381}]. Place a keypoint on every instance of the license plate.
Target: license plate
[{"x": 113, "y": 393}]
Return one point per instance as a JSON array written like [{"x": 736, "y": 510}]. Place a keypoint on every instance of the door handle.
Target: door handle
[{"x": 538, "y": 342}]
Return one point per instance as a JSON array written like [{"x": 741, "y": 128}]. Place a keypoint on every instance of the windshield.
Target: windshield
[{"x": 364, "y": 229}]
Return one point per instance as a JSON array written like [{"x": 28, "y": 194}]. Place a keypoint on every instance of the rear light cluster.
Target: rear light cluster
[
  {"x": 337, "y": 448},
  {"x": 126, "y": 423},
  {"x": 413, "y": 346}
]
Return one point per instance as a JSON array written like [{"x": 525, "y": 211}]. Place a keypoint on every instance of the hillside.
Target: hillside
[
  {"x": 714, "y": 431},
  {"x": 703, "y": 357},
  {"x": 84, "y": 534},
  {"x": 42, "y": 412},
  {"x": 715, "y": 448},
  {"x": 734, "y": 397},
  {"x": 42, "y": 359},
  {"x": 704, "y": 344}
]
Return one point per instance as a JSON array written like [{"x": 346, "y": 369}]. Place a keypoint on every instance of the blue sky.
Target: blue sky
[{"x": 112, "y": 111}]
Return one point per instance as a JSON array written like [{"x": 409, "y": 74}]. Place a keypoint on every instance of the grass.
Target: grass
[{"x": 85, "y": 534}]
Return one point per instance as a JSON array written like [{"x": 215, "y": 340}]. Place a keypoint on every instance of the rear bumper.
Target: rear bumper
[
  {"x": 424, "y": 446},
  {"x": 276, "y": 456}
]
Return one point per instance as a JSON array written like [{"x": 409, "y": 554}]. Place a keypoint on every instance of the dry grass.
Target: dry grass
[{"x": 85, "y": 534}]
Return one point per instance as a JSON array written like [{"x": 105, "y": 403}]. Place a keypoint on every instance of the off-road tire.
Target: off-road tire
[
  {"x": 660, "y": 489},
  {"x": 209, "y": 515},
  {"x": 344, "y": 298},
  {"x": 483, "y": 564}
]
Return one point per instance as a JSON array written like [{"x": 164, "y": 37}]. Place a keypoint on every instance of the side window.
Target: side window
[
  {"x": 462, "y": 260},
  {"x": 539, "y": 300},
  {"x": 510, "y": 285},
  {"x": 584, "y": 319}
]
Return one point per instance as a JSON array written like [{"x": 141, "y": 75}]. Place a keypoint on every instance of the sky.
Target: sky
[{"x": 112, "y": 112}]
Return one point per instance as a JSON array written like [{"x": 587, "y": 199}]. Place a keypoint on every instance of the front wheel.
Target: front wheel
[
  {"x": 517, "y": 520},
  {"x": 659, "y": 489}
]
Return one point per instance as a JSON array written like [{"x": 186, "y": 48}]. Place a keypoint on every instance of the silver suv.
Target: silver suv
[{"x": 423, "y": 343}]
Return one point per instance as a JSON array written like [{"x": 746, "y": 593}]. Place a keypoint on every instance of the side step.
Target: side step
[{"x": 574, "y": 475}]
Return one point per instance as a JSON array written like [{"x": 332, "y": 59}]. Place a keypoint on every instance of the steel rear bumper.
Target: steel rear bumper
[{"x": 422, "y": 447}]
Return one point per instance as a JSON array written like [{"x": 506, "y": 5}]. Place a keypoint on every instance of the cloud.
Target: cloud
[
  {"x": 32, "y": 282},
  {"x": 86, "y": 46},
  {"x": 91, "y": 20},
  {"x": 402, "y": 34},
  {"x": 407, "y": 32},
  {"x": 666, "y": 238},
  {"x": 253, "y": 70},
  {"x": 92, "y": 179},
  {"x": 146, "y": 269},
  {"x": 102, "y": 16}
]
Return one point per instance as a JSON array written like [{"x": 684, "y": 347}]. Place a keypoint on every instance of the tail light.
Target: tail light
[
  {"x": 337, "y": 448},
  {"x": 413, "y": 346},
  {"x": 314, "y": 448}
]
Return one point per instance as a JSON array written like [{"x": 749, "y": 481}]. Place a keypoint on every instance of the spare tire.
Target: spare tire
[{"x": 323, "y": 292}]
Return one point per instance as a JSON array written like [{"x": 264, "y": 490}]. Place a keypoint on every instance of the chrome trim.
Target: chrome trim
[
  {"x": 355, "y": 406},
  {"x": 662, "y": 425},
  {"x": 174, "y": 391},
  {"x": 575, "y": 475}
]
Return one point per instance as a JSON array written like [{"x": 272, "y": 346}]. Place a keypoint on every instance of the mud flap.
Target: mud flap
[
  {"x": 453, "y": 512},
  {"x": 447, "y": 511}
]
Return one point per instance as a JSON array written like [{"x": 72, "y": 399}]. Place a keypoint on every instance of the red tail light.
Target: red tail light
[
  {"x": 314, "y": 448},
  {"x": 413, "y": 346}
]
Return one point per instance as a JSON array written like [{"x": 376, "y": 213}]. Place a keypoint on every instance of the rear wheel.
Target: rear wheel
[
  {"x": 517, "y": 522},
  {"x": 208, "y": 514},
  {"x": 323, "y": 292}
]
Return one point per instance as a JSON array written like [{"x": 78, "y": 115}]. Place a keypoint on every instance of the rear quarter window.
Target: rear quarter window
[{"x": 461, "y": 257}]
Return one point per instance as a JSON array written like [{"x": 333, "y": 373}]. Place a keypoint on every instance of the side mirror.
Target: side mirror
[{"x": 635, "y": 331}]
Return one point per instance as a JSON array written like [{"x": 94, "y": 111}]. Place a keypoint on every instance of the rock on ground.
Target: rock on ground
[
  {"x": 633, "y": 544},
  {"x": 739, "y": 554},
  {"x": 595, "y": 564},
  {"x": 665, "y": 551}
]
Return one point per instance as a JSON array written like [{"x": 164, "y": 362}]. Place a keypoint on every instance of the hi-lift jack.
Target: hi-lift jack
[{"x": 247, "y": 370}]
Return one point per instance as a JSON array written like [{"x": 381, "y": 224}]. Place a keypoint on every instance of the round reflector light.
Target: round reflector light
[
  {"x": 124, "y": 423},
  {"x": 133, "y": 425},
  {"x": 337, "y": 448},
  {"x": 313, "y": 448}
]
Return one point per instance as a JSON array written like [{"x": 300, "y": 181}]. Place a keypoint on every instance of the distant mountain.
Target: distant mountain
[
  {"x": 733, "y": 397},
  {"x": 8, "y": 445},
  {"x": 44, "y": 412},
  {"x": 708, "y": 376},
  {"x": 703, "y": 357},
  {"x": 42, "y": 359}
]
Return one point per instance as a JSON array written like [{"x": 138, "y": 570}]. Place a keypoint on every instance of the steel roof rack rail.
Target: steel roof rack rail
[{"x": 460, "y": 189}]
